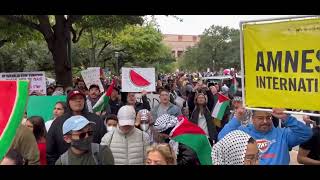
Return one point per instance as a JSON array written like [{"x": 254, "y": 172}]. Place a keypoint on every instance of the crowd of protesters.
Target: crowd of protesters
[{"x": 131, "y": 132}]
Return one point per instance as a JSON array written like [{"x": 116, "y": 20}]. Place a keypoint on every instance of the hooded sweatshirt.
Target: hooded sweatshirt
[
  {"x": 56, "y": 145},
  {"x": 273, "y": 145}
]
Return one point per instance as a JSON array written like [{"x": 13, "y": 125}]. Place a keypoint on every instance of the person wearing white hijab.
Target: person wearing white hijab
[{"x": 236, "y": 148}]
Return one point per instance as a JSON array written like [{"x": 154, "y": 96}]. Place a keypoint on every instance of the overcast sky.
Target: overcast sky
[{"x": 196, "y": 24}]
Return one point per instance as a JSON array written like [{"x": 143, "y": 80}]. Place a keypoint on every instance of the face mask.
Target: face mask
[
  {"x": 82, "y": 144},
  {"x": 110, "y": 128},
  {"x": 144, "y": 127}
]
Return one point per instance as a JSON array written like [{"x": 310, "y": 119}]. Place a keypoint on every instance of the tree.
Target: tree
[
  {"x": 218, "y": 48},
  {"x": 57, "y": 30},
  {"x": 142, "y": 45}
]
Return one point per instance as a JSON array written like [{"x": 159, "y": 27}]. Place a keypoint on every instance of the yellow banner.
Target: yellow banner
[{"x": 282, "y": 64}]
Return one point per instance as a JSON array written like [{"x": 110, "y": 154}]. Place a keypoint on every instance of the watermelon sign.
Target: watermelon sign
[
  {"x": 13, "y": 98},
  {"x": 138, "y": 79}
]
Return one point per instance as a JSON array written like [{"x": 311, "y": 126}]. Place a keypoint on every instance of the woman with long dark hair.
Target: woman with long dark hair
[
  {"x": 58, "y": 110},
  {"x": 36, "y": 124}
]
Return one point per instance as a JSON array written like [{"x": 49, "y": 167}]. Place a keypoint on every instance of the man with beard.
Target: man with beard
[
  {"x": 273, "y": 143},
  {"x": 93, "y": 97}
]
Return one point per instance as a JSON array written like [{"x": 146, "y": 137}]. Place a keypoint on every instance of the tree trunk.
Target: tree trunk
[
  {"x": 59, "y": 52},
  {"x": 93, "y": 50},
  {"x": 60, "y": 58}
]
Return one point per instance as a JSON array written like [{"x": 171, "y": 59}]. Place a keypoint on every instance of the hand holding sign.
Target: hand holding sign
[
  {"x": 279, "y": 113},
  {"x": 240, "y": 113}
]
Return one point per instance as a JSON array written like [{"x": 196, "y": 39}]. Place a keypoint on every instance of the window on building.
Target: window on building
[
  {"x": 194, "y": 38},
  {"x": 179, "y": 38},
  {"x": 180, "y": 53}
]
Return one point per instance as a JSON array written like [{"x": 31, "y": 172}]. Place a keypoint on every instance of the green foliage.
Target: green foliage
[
  {"x": 218, "y": 48},
  {"x": 34, "y": 56},
  {"x": 143, "y": 45}
]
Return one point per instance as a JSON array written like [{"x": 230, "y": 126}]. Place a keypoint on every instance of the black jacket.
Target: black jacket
[
  {"x": 194, "y": 117},
  {"x": 113, "y": 107},
  {"x": 187, "y": 156},
  {"x": 56, "y": 145}
]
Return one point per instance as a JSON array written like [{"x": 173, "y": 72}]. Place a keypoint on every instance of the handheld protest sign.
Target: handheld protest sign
[
  {"x": 138, "y": 79},
  {"x": 92, "y": 76},
  {"x": 13, "y": 98},
  {"x": 281, "y": 63},
  {"x": 37, "y": 80}
]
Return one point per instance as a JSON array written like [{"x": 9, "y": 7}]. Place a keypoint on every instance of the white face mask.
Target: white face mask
[
  {"x": 144, "y": 127},
  {"x": 110, "y": 128}
]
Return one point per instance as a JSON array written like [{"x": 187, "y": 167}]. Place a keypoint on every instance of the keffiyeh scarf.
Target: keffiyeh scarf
[
  {"x": 231, "y": 149},
  {"x": 165, "y": 122}
]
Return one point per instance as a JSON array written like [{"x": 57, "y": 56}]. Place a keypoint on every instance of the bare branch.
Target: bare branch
[
  {"x": 21, "y": 20},
  {"x": 107, "y": 43},
  {"x": 46, "y": 30},
  {"x": 75, "y": 37},
  {"x": 73, "y": 18}
]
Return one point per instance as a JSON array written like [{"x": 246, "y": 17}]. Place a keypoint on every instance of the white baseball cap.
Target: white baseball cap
[{"x": 126, "y": 115}]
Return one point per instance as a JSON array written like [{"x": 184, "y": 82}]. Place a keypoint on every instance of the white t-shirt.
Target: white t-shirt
[{"x": 202, "y": 123}]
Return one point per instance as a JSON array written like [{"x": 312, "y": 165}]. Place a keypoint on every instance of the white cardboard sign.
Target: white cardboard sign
[
  {"x": 92, "y": 76},
  {"x": 37, "y": 80},
  {"x": 138, "y": 79}
]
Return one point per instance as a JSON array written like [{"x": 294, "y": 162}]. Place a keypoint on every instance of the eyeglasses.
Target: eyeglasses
[{"x": 83, "y": 134}]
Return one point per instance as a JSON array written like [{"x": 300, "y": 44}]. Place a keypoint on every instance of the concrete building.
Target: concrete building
[{"x": 180, "y": 43}]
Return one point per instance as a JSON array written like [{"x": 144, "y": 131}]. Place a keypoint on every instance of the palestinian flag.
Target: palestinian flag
[
  {"x": 104, "y": 99},
  {"x": 193, "y": 136},
  {"x": 234, "y": 85},
  {"x": 13, "y": 100},
  {"x": 220, "y": 108}
]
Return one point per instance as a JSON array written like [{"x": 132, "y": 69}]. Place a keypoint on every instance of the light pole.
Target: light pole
[
  {"x": 212, "y": 65},
  {"x": 116, "y": 55}
]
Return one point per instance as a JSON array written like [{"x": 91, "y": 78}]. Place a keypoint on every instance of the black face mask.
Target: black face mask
[{"x": 82, "y": 144}]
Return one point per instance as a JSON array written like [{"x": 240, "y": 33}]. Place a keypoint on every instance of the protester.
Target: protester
[
  {"x": 93, "y": 97},
  {"x": 25, "y": 144},
  {"x": 273, "y": 143},
  {"x": 185, "y": 155},
  {"x": 114, "y": 102},
  {"x": 75, "y": 106},
  {"x": 309, "y": 151},
  {"x": 130, "y": 99},
  {"x": 50, "y": 90},
  {"x": 201, "y": 115},
  {"x": 161, "y": 154},
  {"x": 236, "y": 148},
  {"x": 165, "y": 107},
  {"x": 111, "y": 122},
  {"x": 81, "y": 86},
  {"x": 12, "y": 158},
  {"x": 36, "y": 124},
  {"x": 127, "y": 143},
  {"x": 78, "y": 132},
  {"x": 58, "y": 90},
  {"x": 145, "y": 123},
  {"x": 59, "y": 109}
]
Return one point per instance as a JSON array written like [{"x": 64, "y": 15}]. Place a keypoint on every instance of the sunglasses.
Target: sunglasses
[{"x": 83, "y": 134}]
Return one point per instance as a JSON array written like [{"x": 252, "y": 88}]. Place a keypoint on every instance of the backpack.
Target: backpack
[{"x": 95, "y": 149}]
